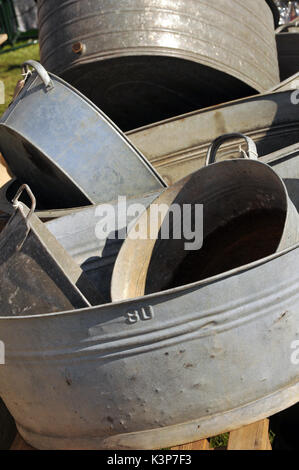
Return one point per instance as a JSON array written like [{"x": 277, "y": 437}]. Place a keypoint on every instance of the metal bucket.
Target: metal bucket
[
  {"x": 178, "y": 146},
  {"x": 66, "y": 149},
  {"x": 247, "y": 216},
  {"x": 161, "y": 370},
  {"x": 37, "y": 275},
  {"x": 144, "y": 62},
  {"x": 287, "y": 39}
]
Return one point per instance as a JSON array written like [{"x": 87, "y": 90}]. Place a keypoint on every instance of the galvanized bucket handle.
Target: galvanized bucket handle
[
  {"x": 251, "y": 147},
  {"x": 40, "y": 70},
  {"x": 16, "y": 203}
]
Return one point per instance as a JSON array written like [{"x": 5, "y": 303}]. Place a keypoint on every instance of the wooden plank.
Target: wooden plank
[
  {"x": 252, "y": 437},
  {"x": 20, "y": 444},
  {"x": 198, "y": 445},
  {"x": 3, "y": 38}
]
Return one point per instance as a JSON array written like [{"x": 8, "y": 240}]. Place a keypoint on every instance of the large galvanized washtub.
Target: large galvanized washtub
[
  {"x": 246, "y": 215},
  {"x": 178, "y": 146},
  {"x": 145, "y": 61},
  {"x": 165, "y": 369},
  {"x": 287, "y": 38},
  {"x": 66, "y": 149}
]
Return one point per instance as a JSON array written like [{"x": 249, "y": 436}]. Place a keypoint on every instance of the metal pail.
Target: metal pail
[
  {"x": 66, "y": 149},
  {"x": 142, "y": 62},
  {"x": 37, "y": 274},
  {"x": 247, "y": 216}
]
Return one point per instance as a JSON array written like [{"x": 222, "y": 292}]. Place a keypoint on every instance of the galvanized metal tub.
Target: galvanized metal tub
[
  {"x": 66, "y": 149},
  {"x": 287, "y": 38},
  {"x": 161, "y": 370},
  {"x": 178, "y": 146},
  {"x": 246, "y": 215},
  {"x": 146, "y": 61},
  {"x": 37, "y": 274}
]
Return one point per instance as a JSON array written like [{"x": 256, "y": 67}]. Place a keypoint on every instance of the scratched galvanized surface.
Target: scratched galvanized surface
[
  {"x": 145, "y": 61},
  {"x": 161, "y": 370}
]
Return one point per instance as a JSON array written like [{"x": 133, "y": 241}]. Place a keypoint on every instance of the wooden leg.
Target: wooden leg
[
  {"x": 199, "y": 445},
  {"x": 252, "y": 437}
]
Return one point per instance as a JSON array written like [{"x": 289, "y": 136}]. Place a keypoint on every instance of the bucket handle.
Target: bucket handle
[
  {"x": 214, "y": 147},
  {"x": 40, "y": 70},
  {"x": 16, "y": 203}
]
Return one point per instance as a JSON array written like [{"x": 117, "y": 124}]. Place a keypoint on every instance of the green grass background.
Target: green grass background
[{"x": 10, "y": 70}]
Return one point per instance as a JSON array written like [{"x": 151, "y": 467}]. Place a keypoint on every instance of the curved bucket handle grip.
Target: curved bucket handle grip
[
  {"x": 40, "y": 70},
  {"x": 251, "y": 147},
  {"x": 294, "y": 22},
  {"x": 16, "y": 203}
]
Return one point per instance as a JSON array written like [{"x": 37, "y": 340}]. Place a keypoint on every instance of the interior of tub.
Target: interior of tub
[
  {"x": 244, "y": 210},
  {"x": 53, "y": 188}
]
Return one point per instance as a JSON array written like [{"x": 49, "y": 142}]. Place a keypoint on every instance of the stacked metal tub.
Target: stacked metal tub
[{"x": 144, "y": 61}]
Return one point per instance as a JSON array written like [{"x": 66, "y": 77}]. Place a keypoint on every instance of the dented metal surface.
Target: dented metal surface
[
  {"x": 143, "y": 62},
  {"x": 66, "y": 149},
  {"x": 127, "y": 367},
  {"x": 161, "y": 370}
]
